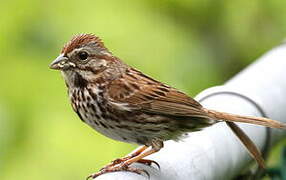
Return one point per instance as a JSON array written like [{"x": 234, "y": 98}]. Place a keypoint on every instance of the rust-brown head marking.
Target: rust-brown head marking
[{"x": 81, "y": 39}]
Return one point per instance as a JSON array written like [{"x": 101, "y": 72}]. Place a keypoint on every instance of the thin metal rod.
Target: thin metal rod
[{"x": 215, "y": 152}]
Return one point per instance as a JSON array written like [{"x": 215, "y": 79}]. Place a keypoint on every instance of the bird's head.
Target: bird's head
[{"x": 84, "y": 57}]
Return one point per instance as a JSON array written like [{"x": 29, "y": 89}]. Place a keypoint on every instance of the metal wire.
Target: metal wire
[{"x": 259, "y": 172}]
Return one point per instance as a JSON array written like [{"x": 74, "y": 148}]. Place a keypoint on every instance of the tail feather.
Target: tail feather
[
  {"x": 244, "y": 119},
  {"x": 246, "y": 141}
]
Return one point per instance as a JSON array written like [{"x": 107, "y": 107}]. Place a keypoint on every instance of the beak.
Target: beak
[{"x": 61, "y": 63}]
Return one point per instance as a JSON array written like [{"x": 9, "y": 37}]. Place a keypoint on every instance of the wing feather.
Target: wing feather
[{"x": 141, "y": 92}]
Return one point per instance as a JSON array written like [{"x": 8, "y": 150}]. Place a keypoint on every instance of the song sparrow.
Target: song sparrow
[{"x": 126, "y": 105}]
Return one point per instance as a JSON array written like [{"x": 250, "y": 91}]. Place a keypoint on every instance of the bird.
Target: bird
[{"x": 124, "y": 104}]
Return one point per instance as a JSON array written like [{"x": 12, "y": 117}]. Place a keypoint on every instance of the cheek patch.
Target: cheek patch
[{"x": 71, "y": 64}]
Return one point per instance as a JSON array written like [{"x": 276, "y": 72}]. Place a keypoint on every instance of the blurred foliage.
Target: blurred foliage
[
  {"x": 191, "y": 44},
  {"x": 279, "y": 172}
]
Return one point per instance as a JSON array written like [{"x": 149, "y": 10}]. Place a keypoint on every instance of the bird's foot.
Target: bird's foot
[
  {"x": 119, "y": 167},
  {"x": 116, "y": 162},
  {"x": 121, "y": 160},
  {"x": 123, "y": 164}
]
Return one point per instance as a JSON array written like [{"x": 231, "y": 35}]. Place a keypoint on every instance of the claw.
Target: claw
[{"x": 149, "y": 162}]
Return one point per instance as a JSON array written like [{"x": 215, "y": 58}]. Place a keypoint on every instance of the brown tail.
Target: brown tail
[
  {"x": 246, "y": 141},
  {"x": 244, "y": 119}
]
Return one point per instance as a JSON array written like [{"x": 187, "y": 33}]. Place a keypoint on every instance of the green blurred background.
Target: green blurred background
[{"x": 191, "y": 44}]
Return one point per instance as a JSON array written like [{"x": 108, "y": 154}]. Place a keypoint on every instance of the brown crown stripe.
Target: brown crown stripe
[{"x": 79, "y": 40}]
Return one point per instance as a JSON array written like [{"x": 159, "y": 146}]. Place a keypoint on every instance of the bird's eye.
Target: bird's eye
[{"x": 83, "y": 55}]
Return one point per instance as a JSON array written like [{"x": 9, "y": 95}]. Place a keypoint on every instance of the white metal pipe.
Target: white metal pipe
[{"x": 215, "y": 152}]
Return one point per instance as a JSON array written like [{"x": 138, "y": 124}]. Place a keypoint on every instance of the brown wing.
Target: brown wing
[{"x": 139, "y": 91}]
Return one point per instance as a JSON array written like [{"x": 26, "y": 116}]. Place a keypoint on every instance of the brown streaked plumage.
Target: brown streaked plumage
[{"x": 126, "y": 105}]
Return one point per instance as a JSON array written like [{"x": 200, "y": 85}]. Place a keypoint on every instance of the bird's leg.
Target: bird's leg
[
  {"x": 124, "y": 165},
  {"x": 134, "y": 153},
  {"x": 139, "y": 157}
]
